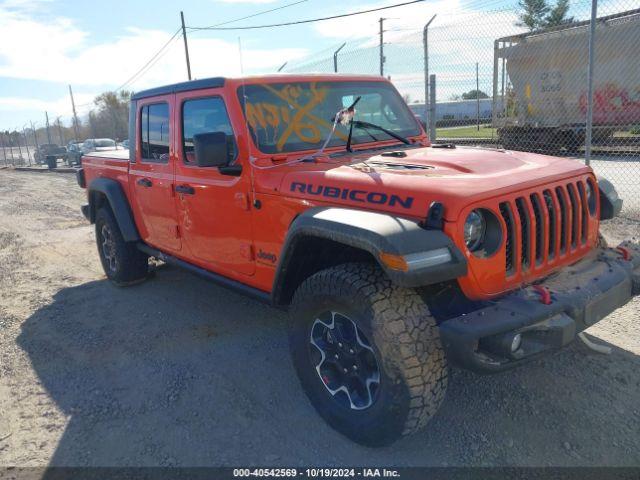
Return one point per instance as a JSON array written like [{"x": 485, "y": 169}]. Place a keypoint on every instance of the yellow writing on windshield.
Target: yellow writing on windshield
[{"x": 293, "y": 116}]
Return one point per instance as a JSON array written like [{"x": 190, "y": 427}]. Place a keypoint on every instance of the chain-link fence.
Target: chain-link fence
[
  {"x": 17, "y": 156},
  {"x": 498, "y": 83}
]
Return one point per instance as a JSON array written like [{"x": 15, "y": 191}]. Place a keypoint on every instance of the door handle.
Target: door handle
[
  {"x": 186, "y": 189},
  {"x": 145, "y": 182}
]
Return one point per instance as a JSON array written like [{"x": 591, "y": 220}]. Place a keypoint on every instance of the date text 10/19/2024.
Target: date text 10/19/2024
[{"x": 316, "y": 472}]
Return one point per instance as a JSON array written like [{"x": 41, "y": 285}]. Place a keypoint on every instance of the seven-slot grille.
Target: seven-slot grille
[{"x": 544, "y": 225}]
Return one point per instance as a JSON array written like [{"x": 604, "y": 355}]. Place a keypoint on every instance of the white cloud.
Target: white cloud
[
  {"x": 458, "y": 38},
  {"x": 367, "y": 25},
  {"x": 57, "y": 107},
  {"x": 55, "y": 49}
]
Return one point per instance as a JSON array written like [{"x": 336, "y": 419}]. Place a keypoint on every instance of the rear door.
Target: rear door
[
  {"x": 214, "y": 210},
  {"x": 152, "y": 174}
]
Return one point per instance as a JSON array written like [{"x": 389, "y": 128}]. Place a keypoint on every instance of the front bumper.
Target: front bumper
[{"x": 581, "y": 295}]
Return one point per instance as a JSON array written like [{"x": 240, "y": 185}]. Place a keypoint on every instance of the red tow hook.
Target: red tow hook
[
  {"x": 624, "y": 251},
  {"x": 545, "y": 294}
]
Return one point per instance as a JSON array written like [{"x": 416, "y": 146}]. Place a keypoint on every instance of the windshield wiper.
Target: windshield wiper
[
  {"x": 366, "y": 129},
  {"x": 365, "y": 125}
]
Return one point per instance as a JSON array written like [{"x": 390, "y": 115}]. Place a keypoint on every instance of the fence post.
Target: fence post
[
  {"x": 19, "y": 148},
  {"x": 335, "y": 57},
  {"x": 4, "y": 152},
  {"x": 432, "y": 107},
  {"x": 477, "y": 97},
  {"x": 26, "y": 145},
  {"x": 494, "y": 110},
  {"x": 382, "y": 46},
  {"x": 425, "y": 42},
  {"x": 592, "y": 40}
]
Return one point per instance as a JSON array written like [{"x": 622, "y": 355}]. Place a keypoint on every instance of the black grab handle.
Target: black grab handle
[{"x": 186, "y": 189}]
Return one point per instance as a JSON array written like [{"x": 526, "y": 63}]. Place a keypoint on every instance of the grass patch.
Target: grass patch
[{"x": 470, "y": 131}]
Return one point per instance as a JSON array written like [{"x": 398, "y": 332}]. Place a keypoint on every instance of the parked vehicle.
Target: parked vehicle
[
  {"x": 98, "y": 145},
  {"x": 74, "y": 153},
  {"x": 125, "y": 143},
  {"x": 49, "y": 151},
  {"x": 547, "y": 70},
  {"x": 321, "y": 194}
]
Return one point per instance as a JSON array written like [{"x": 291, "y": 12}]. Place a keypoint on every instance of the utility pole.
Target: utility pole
[
  {"x": 48, "y": 133},
  {"x": 477, "y": 99},
  {"x": 382, "y": 47},
  {"x": 60, "y": 131},
  {"x": 35, "y": 135},
  {"x": 75, "y": 116},
  {"x": 335, "y": 58},
  {"x": 186, "y": 45}
]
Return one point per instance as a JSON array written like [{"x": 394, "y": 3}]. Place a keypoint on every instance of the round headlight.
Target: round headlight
[
  {"x": 591, "y": 198},
  {"x": 474, "y": 230}
]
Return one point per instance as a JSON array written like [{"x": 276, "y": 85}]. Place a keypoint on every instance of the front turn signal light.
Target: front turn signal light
[{"x": 394, "y": 262}]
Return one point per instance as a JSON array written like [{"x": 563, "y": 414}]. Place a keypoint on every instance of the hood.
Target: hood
[{"x": 408, "y": 181}]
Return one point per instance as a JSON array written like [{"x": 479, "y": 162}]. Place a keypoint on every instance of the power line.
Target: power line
[
  {"x": 135, "y": 75},
  {"x": 157, "y": 59},
  {"x": 299, "y": 22},
  {"x": 163, "y": 50},
  {"x": 249, "y": 16}
]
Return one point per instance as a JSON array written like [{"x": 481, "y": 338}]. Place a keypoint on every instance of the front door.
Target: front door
[
  {"x": 151, "y": 175},
  {"x": 214, "y": 209}
]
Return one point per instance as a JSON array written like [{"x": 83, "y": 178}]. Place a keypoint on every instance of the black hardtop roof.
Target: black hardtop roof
[{"x": 214, "y": 82}]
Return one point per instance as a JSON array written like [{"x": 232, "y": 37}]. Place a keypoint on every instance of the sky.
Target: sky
[{"x": 46, "y": 45}]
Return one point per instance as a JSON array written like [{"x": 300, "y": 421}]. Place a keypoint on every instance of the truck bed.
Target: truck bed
[{"x": 119, "y": 154}]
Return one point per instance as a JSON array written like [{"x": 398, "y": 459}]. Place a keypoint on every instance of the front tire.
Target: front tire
[
  {"x": 351, "y": 319},
  {"x": 122, "y": 262}
]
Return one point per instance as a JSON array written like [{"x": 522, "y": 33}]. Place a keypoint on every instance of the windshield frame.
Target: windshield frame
[{"x": 410, "y": 133}]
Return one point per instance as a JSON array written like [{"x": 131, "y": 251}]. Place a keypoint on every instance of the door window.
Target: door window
[
  {"x": 154, "y": 132},
  {"x": 205, "y": 115}
]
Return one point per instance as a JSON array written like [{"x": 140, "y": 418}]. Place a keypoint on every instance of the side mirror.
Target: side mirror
[{"x": 211, "y": 149}]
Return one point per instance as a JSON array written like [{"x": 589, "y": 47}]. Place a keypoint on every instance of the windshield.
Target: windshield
[
  {"x": 105, "y": 143},
  {"x": 287, "y": 117}
]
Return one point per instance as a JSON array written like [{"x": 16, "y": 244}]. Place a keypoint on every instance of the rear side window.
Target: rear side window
[
  {"x": 204, "y": 115},
  {"x": 154, "y": 132}
]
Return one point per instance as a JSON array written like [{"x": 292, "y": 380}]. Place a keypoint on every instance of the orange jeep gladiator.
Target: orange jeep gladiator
[{"x": 394, "y": 257}]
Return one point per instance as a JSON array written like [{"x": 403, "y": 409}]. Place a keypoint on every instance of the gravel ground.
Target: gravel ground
[{"x": 177, "y": 371}]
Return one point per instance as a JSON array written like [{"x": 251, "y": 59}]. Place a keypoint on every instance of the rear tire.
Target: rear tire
[
  {"x": 122, "y": 262},
  {"x": 402, "y": 338}
]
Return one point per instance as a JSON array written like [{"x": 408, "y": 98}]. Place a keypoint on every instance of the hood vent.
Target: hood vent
[{"x": 382, "y": 165}]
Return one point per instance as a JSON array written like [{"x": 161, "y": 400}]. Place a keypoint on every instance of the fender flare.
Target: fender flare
[
  {"x": 375, "y": 233},
  {"x": 119, "y": 204}
]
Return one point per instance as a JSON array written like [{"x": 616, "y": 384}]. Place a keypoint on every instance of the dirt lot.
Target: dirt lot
[{"x": 178, "y": 371}]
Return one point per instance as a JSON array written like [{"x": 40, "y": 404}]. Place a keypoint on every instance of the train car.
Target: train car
[
  {"x": 458, "y": 112},
  {"x": 547, "y": 107}
]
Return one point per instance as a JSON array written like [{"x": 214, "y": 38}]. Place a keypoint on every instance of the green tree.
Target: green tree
[
  {"x": 474, "y": 95},
  {"x": 112, "y": 116},
  {"x": 558, "y": 14},
  {"x": 538, "y": 14}
]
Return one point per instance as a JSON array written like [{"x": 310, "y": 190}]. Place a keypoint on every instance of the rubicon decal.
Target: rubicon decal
[{"x": 355, "y": 195}]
